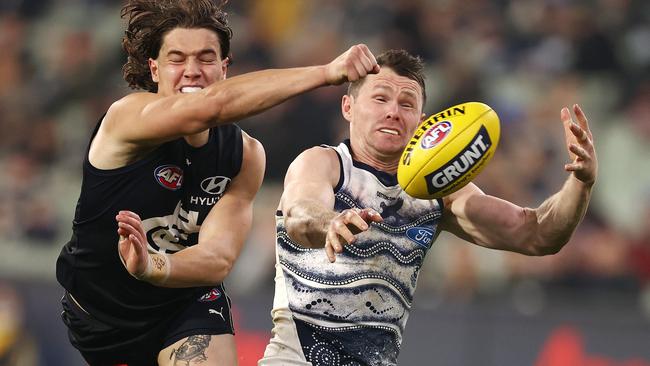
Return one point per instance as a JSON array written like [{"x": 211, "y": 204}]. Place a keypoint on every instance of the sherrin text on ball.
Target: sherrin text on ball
[{"x": 448, "y": 150}]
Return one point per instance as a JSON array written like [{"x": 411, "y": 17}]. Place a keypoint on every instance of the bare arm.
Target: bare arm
[
  {"x": 308, "y": 204},
  {"x": 498, "y": 224},
  {"x": 221, "y": 236},
  {"x": 150, "y": 119}
]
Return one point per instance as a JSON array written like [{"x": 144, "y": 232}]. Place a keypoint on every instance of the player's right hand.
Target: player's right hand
[
  {"x": 352, "y": 65},
  {"x": 344, "y": 226},
  {"x": 132, "y": 246}
]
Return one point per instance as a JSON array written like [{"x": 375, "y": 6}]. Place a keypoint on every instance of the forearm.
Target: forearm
[
  {"x": 248, "y": 94},
  {"x": 307, "y": 222},
  {"x": 558, "y": 216},
  {"x": 189, "y": 267}
]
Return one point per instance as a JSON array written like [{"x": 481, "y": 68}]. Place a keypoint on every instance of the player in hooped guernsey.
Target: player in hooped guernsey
[
  {"x": 359, "y": 305},
  {"x": 350, "y": 242}
]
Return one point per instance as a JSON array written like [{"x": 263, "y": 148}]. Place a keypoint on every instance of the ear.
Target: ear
[
  {"x": 346, "y": 107},
  {"x": 224, "y": 67},
  {"x": 422, "y": 117},
  {"x": 153, "y": 67}
]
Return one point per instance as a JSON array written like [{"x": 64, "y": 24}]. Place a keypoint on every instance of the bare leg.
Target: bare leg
[{"x": 204, "y": 350}]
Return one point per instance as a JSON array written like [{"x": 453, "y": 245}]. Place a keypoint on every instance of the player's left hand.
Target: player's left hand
[
  {"x": 132, "y": 246},
  {"x": 580, "y": 144}
]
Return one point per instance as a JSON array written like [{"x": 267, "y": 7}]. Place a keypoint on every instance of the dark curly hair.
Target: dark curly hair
[
  {"x": 404, "y": 64},
  {"x": 150, "y": 20}
]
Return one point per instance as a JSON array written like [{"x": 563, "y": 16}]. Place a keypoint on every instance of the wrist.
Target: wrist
[
  {"x": 323, "y": 79},
  {"x": 157, "y": 270},
  {"x": 587, "y": 185}
]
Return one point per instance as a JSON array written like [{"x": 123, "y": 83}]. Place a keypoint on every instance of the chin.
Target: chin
[{"x": 391, "y": 150}]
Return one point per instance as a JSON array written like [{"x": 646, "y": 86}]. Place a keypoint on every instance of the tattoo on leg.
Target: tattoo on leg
[{"x": 193, "y": 349}]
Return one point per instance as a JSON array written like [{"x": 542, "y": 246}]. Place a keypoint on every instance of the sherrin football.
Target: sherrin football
[{"x": 448, "y": 150}]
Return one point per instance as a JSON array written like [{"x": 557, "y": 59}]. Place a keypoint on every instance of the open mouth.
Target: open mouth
[
  {"x": 389, "y": 131},
  {"x": 190, "y": 89}
]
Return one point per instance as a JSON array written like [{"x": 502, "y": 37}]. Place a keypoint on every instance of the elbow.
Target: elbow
[
  {"x": 222, "y": 265},
  {"x": 544, "y": 248},
  {"x": 297, "y": 232},
  {"x": 547, "y": 250},
  {"x": 293, "y": 229}
]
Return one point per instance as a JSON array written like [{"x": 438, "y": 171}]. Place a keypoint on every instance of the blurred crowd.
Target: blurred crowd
[{"x": 61, "y": 69}]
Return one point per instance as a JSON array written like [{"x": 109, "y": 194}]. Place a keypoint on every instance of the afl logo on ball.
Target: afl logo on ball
[
  {"x": 169, "y": 176},
  {"x": 435, "y": 134}
]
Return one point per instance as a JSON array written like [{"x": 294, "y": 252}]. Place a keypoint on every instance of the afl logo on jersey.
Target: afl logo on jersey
[
  {"x": 435, "y": 134},
  {"x": 215, "y": 185},
  {"x": 212, "y": 295},
  {"x": 169, "y": 176}
]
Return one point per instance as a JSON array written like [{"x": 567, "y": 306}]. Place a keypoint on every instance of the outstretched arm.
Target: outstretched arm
[
  {"x": 495, "y": 223},
  {"x": 308, "y": 204},
  {"x": 150, "y": 119},
  {"x": 221, "y": 236}
]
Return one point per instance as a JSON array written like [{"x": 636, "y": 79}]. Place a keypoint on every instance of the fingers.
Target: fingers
[
  {"x": 579, "y": 140},
  {"x": 371, "y": 64},
  {"x": 582, "y": 119},
  {"x": 581, "y": 135},
  {"x": 580, "y": 129},
  {"x": 329, "y": 250},
  {"x": 132, "y": 219},
  {"x": 354, "y": 64},
  {"x": 130, "y": 214},
  {"x": 126, "y": 230},
  {"x": 343, "y": 227},
  {"x": 579, "y": 151},
  {"x": 370, "y": 215}
]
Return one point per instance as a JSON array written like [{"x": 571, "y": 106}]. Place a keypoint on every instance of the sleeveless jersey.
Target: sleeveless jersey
[
  {"x": 172, "y": 189},
  {"x": 354, "y": 310}
]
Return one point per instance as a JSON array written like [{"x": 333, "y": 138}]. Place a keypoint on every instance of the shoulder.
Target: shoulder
[
  {"x": 132, "y": 101},
  {"x": 253, "y": 149},
  {"x": 127, "y": 108},
  {"x": 316, "y": 163},
  {"x": 319, "y": 156},
  {"x": 249, "y": 179}
]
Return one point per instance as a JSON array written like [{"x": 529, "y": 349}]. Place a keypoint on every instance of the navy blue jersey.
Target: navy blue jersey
[{"x": 173, "y": 189}]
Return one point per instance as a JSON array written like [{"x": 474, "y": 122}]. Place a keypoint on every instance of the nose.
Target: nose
[
  {"x": 392, "y": 112},
  {"x": 192, "y": 70}
]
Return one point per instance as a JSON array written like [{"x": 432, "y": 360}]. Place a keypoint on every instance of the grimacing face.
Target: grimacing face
[
  {"x": 189, "y": 60},
  {"x": 384, "y": 114}
]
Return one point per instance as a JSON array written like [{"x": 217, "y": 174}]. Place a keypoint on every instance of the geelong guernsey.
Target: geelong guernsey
[
  {"x": 354, "y": 311},
  {"x": 172, "y": 189}
]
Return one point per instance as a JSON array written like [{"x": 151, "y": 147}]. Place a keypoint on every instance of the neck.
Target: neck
[{"x": 378, "y": 161}]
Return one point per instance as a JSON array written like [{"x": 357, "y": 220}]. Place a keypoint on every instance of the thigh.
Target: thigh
[
  {"x": 202, "y": 332},
  {"x": 205, "y": 349}
]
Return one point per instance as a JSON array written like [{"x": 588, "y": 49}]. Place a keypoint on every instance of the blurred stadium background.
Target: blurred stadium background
[{"x": 60, "y": 68}]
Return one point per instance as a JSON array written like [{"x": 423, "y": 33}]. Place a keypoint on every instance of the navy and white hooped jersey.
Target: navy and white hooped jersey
[{"x": 353, "y": 311}]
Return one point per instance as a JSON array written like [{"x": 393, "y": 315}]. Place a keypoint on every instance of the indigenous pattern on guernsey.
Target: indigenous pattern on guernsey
[{"x": 353, "y": 311}]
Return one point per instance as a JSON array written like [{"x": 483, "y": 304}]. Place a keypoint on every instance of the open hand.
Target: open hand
[
  {"x": 580, "y": 144},
  {"x": 345, "y": 225},
  {"x": 132, "y": 245}
]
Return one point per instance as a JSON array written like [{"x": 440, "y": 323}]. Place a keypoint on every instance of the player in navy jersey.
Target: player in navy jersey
[
  {"x": 167, "y": 191},
  {"x": 350, "y": 242}
]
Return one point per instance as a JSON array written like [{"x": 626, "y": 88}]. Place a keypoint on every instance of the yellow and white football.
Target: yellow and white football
[{"x": 448, "y": 150}]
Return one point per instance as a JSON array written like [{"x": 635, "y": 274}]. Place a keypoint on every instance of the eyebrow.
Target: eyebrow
[
  {"x": 404, "y": 91},
  {"x": 204, "y": 51}
]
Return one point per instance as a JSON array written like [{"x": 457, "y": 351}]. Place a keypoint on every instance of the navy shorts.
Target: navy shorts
[{"x": 100, "y": 344}]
